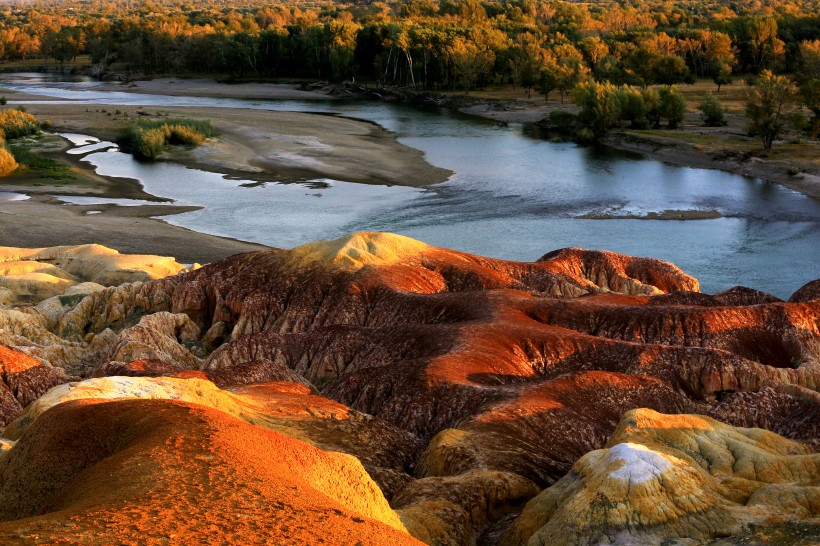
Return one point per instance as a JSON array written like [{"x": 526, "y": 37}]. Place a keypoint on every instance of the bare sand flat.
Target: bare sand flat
[
  {"x": 269, "y": 146},
  {"x": 203, "y": 87},
  {"x": 44, "y": 221},
  {"x": 253, "y": 144}
]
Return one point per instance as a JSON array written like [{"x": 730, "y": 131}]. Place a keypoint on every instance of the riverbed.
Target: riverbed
[{"x": 512, "y": 195}]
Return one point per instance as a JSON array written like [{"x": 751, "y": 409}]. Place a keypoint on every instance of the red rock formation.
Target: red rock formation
[
  {"x": 23, "y": 380},
  {"x": 506, "y": 372},
  {"x": 152, "y": 367},
  {"x": 808, "y": 292}
]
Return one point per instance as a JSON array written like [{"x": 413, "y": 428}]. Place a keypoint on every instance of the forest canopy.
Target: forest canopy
[{"x": 549, "y": 46}]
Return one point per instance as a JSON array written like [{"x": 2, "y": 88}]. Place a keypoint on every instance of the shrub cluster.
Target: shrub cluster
[
  {"x": 604, "y": 106},
  {"x": 712, "y": 111},
  {"x": 148, "y": 138},
  {"x": 7, "y": 162},
  {"x": 16, "y": 123}
]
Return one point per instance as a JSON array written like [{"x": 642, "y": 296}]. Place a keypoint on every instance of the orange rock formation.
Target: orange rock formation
[{"x": 464, "y": 385}]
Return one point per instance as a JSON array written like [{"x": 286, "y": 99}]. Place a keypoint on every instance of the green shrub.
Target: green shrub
[
  {"x": 45, "y": 166},
  {"x": 147, "y": 138},
  {"x": 16, "y": 123},
  {"x": 198, "y": 125},
  {"x": 633, "y": 107},
  {"x": 180, "y": 134},
  {"x": 672, "y": 105},
  {"x": 148, "y": 143},
  {"x": 712, "y": 111},
  {"x": 599, "y": 106}
]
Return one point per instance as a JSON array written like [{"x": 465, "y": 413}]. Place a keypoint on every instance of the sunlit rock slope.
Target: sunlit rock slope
[{"x": 465, "y": 386}]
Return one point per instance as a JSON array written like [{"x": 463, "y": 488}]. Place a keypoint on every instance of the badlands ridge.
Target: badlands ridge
[{"x": 376, "y": 390}]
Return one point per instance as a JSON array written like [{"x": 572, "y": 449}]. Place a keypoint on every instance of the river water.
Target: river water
[{"x": 513, "y": 195}]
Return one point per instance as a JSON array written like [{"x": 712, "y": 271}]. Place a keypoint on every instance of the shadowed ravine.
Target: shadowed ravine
[{"x": 588, "y": 397}]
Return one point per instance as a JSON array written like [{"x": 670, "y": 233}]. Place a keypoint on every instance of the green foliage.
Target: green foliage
[
  {"x": 672, "y": 105},
  {"x": 810, "y": 93},
  {"x": 45, "y": 166},
  {"x": 672, "y": 69},
  {"x": 147, "y": 143},
  {"x": 632, "y": 107},
  {"x": 771, "y": 100},
  {"x": 722, "y": 74},
  {"x": 16, "y": 124},
  {"x": 563, "y": 121},
  {"x": 711, "y": 111},
  {"x": 148, "y": 138},
  {"x": 652, "y": 102},
  {"x": 599, "y": 104},
  {"x": 3, "y": 100}
]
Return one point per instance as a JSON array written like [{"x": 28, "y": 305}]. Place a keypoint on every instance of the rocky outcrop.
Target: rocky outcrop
[
  {"x": 674, "y": 477},
  {"x": 463, "y": 384},
  {"x": 808, "y": 292},
  {"x": 30, "y": 275},
  {"x": 22, "y": 381}
]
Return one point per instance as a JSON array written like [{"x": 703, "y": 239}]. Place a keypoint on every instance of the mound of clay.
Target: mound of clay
[
  {"x": 291, "y": 408},
  {"x": 167, "y": 471},
  {"x": 30, "y": 275},
  {"x": 665, "y": 477}
]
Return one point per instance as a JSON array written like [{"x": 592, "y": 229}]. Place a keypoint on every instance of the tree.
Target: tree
[
  {"x": 758, "y": 42},
  {"x": 711, "y": 111},
  {"x": 599, "y": 104},
  {"x": 722, "y": 75},
  {"x": 672, "y": 69},
  {"x": 632, "y": 107},
  {"x": 720, "y": 57},
  {"x": 672, "y": 105},
  {"x": 570, "y": 70},
  {"x": 523, "y": 61},
  {"x": 469, "y": 62},
  {"x": 548, "y": 70},
  {"x": 652, "y": 101},
  {"x": 810, "y": 92},
  {"x": 770, "y": 101}
]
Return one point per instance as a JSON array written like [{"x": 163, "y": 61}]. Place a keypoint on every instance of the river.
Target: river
[{"x": 513, "y": 196}]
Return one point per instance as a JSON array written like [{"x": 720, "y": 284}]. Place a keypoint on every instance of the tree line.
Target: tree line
[{"x": 548, "y": 46}]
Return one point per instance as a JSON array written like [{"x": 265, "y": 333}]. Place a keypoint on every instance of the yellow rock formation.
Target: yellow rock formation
[
  {"x": 674, "y": 477},
  {"x": 196, "y": 391},
  {"x": 30, "y": 275},
  {"x": 360, "y": 249}
]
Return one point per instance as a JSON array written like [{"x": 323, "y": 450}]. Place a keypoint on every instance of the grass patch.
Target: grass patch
[
  {"x": 147, "y": 138},
  {"x": 45, "y": 167}
]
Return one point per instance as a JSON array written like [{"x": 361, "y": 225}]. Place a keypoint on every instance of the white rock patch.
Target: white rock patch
[{"x": 640, "y": 464}]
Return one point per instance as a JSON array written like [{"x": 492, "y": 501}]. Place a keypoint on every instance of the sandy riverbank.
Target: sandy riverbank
[
  {"x": 677, "y": 152},
  {"x": 44, "y": 221},
  {"x": 253, "y": 144},
  {"x": 268, "y": 146},
  {"x": 202, "y": 87},
  {"x": 682, "y": 147}
]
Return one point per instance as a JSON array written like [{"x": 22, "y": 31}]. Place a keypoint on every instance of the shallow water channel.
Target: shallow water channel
[{"x": 513, "y": 196}]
